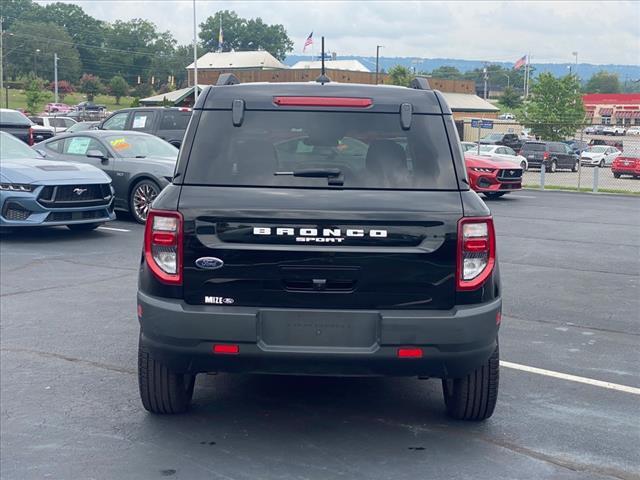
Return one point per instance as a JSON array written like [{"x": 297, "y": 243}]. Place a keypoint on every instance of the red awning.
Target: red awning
[
  {"x": 627, "y": 114},
  {"x": 606, "y": 112}
]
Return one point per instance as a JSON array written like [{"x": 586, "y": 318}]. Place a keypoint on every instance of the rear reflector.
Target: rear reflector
[
  {"x": 226, "y": 349},
  {"x": 409, "y": 353},
  {"x": 498, "y": 317},
  {"x": 323, "y": 102}
]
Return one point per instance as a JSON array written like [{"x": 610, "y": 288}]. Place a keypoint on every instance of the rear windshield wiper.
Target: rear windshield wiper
[{"x": 333, "y": 175}]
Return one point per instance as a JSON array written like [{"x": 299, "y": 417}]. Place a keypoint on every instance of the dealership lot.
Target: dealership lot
[{"x": 570, "y": 266}]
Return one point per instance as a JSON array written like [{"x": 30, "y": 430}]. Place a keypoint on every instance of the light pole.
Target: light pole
[
  {"x": 378, "y": 47},
  {"x": 575, "y": 54},
  {"x": 508, "y": 80},
  {"x": 195, "y": 57},
  {"x": 35, "y": 59},
  {"x": 486, "y": 77}
]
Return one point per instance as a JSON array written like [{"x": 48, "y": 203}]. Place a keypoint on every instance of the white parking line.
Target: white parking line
[
  {"x": 524, "y": 196},
  {"x": 114, "y": 229},
  {"x": 571, "y": 378}
]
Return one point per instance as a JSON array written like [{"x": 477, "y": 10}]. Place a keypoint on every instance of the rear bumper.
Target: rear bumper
[{"x": 453, "y": 342}]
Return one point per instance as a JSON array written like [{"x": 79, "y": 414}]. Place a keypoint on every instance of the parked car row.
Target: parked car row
[{"x": 613, "y": 130}]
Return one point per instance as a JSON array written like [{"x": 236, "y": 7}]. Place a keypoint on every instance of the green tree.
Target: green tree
[
  {"x": 35, "y": 94},
  {"x": 32, "y": 45},
  {"x": 118, "y": 87},
  {"x": 244, "y": 34},
  {"x": 446, "y": 72},
  {"x": 91, "y": 86},
  {"x": 400, "y": 75},
  {"x": 13, "y": 10},
  {"x": 603, "y": 82},
  {"x": 556, "y": 110},
  {"x": 510, "y": 98}
]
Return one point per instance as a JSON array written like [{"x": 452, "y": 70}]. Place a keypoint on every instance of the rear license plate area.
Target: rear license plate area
[{"x": 297, "y": 330}]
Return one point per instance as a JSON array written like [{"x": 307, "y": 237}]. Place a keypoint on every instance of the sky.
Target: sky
[{"x": 601, "y": 32}]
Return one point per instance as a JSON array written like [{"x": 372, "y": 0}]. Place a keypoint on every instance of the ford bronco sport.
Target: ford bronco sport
[{"x": 320, "y": 229}]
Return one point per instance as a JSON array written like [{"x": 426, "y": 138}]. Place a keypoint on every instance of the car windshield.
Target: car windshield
[
  {"x": 486, "y": 149},
  {"x": 598, "y": 149},
  {"x": 493, "y": 136},
  {"x": 320, "y": 149},
  {"x": 12, "y": 117},
  {"x": 129, "y": 146},
  {"x": 11, "y": 148}
]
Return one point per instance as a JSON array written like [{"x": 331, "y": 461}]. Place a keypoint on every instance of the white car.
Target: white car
[
  {"x": 633, "y": 131},
  {"x": 500, "y": 152},
  {"x": 467, "y": 146},
  {"x": 599, "y": 156},
  {"x": 613, "y": 130},
  {"x": 57, "y": 124}
]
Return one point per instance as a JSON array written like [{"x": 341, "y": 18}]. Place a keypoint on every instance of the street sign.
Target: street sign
[{"x": 476, "y": 123}]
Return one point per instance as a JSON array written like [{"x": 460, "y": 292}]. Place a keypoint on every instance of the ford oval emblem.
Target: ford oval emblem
[{"x": 209, "y": 263}]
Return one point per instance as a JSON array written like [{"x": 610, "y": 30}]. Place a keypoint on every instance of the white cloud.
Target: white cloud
[{"x": 602, "y": 32}]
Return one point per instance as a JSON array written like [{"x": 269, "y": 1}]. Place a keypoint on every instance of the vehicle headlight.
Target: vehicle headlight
[
  {"x": 485, "y": 170},
  {"x": 16, "y": 187}
]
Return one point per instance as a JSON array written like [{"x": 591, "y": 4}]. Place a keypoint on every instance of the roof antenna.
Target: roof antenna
[{"x": 323, "y": 78}]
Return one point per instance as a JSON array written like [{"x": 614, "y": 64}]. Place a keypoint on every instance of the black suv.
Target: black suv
[
  {"x": 320, "y": 229},
  {"x": 554, "y": 156},
  {"x": 507, "y": 139},
  {"x": 168, "y": 123}
]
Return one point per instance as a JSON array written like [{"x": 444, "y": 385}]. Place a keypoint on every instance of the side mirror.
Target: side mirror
[{"x": 96, "y": 154}]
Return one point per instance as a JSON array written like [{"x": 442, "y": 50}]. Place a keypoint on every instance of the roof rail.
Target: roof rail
[
  {"x": 420, "y": 83},
  {"x": 227, "y": 79}
]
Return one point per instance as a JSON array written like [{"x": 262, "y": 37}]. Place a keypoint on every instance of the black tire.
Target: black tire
[
  {"x": 161, "y": 390},
  {"x": 601, "y": 164},
  {"x": 83, "y": 227},
  {"x": 494, "y": 194},
  {"x": 474, "y": 396},
  {"x": 142, "y": 195},
  {"x": 616, "y": 175},
  {"x": 553, "y": 167},
  {"x": 575, "y": 166},
  {"x": 523, "y": 166}
]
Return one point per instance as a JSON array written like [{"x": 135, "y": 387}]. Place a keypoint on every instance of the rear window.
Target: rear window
[
  {"x": 534, "y": 147},
  {"x": 13, "y": 118},
  {"x": 175, "y": 120},
  {"x": 366, "y": 150}
]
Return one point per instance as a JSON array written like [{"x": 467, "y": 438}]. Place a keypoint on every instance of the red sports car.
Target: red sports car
[
  {"x": 493, "y": 178},
  {"x": 626, "y": 164}
]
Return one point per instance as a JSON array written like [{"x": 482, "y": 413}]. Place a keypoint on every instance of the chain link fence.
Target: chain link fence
[{"x": 594, "y": 159}]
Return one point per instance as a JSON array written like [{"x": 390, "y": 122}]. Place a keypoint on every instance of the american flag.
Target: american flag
[
  {"x": 307, "y": 42},
  {"x": 520, "y": 63}
]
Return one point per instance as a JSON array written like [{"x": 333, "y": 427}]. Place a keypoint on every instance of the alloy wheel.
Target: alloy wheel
[{"x": 143, "y": 197}]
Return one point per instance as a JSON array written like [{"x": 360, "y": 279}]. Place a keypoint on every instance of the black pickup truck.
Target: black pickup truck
[
  {"x": 320, "y": 229},
  {"x": 17, "y": 124}
]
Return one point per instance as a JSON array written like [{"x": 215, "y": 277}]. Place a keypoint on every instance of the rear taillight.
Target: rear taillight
[
  {"x": 545, "y": 156},
  {"x": 163, "y": 245},
  {"x": 476, "y": 252},
  {"x": 31, "y": 142}
]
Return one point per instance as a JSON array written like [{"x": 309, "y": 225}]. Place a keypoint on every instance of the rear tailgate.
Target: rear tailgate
[
  {"x": 19, "y": 131},
  {"x": 320, "y": 248}
]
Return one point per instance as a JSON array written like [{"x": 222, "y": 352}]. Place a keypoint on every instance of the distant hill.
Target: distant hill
[{"x": 585, "y": 70}]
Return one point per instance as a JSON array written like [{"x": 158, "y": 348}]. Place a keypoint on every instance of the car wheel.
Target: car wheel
[
  {"x": 553, "y": 167},
  {"x": 601, "y": 164},
  {"x": 575, "y": 166},
  {"x": 474, "y": 396},
  {"x": 142, "y": 196},
  {"x": 616, "y": 175},
  {"x": 523, "y": 166},
  {"x": 493, "y": 194},
  {"x": 162, "y": 390},
  {"x": 83, "y": 227}
]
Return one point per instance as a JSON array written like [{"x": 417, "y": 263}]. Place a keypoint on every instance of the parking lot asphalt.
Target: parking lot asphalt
[
  {"x": 584, "y": 179},
  {"x": 570, "y": 265}
]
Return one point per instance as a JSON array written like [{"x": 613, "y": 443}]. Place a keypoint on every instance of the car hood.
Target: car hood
[
  {"x": 486, "y": 162},
  {"x": 41, "y": 171},
  {"x": 592, "y": 155}
]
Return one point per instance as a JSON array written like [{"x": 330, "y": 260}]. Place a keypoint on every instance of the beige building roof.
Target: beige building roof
[
  {"x": 351, "y": 65},
  {"x": 173, "y": 97},
  {"x": 225, "y": 60},
  {"x": 465, "y": 102}
]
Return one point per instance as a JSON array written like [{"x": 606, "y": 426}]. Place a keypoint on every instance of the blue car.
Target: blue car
[{"x": 39, "y": 192}]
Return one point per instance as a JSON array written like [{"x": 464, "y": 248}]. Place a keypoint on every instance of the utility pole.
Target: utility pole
[
  {"x": 55, "y": 77},
  {"x": 195, "y": 56},
  {"x": 378, "y": 47},
  {"x": 508, "y": 79}
]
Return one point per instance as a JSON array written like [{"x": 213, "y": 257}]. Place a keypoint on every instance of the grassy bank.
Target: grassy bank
[{"x": 17, "y": 99}]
